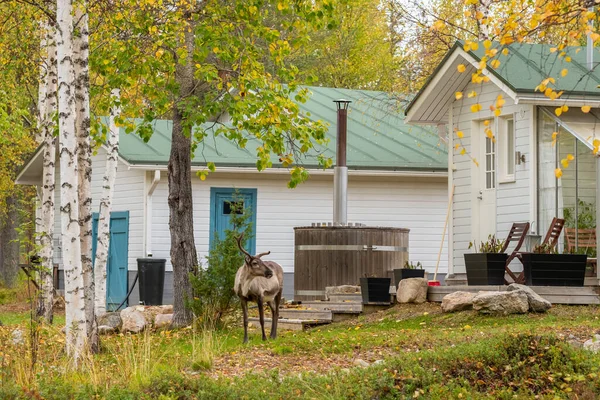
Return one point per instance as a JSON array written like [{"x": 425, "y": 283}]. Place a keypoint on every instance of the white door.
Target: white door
[{"x": 485, "y": 208}]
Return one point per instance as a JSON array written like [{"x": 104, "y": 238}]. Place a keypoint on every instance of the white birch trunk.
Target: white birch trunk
[
  {"x": 76, "y": 328},
  {"x": 108, "y": 184},
  {"x": 48, "y": 100},
  {"x": 84, "y": 161}
]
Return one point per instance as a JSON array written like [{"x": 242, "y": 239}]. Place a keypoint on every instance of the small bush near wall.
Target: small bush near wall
[{"x": 214, "y": 298}]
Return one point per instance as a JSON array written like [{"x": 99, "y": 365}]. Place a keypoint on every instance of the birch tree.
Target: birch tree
[
  {"x": 108, "y": 183},
  {"x": 47, "y": 111},
  {"x": 75, "y": 314}
]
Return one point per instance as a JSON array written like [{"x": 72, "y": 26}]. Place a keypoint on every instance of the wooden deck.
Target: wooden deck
[{"x": 555, "y": 294}]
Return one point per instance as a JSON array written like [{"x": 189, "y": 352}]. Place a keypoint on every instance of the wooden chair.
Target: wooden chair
[
  {"x": 517, "y": 233},
  {"x": 582, "y": 238}
]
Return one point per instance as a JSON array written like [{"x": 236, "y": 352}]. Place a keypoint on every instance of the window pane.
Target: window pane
[
  {"x": 488, "y": 162},
  {"x": 510, "y": 147},
  {"x": 546, "y": 181},
  {"x": 488, "y": 180},
  {"x": 487, "y": 145},
  {"x": 231, "y": 207}
]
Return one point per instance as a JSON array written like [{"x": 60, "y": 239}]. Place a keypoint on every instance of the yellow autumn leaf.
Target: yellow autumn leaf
[
  {"x": 486, "y": 122},
  {"x": 570, "y": 157},
  {"x": 461, "y": 68},
  {"x": 476, "y": 107},
  {"x": 458, "y": 95},
  {"x": 463, "y": 151},
  {"x": 488, "y": 133},
  {"x": 564, "y": 72},
  {"x": 558, "y": 173},
  {"x": 487, "y": 43},
  {"x": 456, "y": 146},
  {"x": 586, "y": 109},
  {"x": 553, "y": 49},
  {"x": 495, "y": 63},
  {"x": 472, "y": 94},
  {"x": 565, "y": 108},
  {"x": 497, "y": 112},
  {"x": 565, "y": 163},
  {"x": 554, "y": 135},
  {"x": 568, "y": 59},
  {"x": 505, "y": 51},
  {"x": 159, "y": 53},
  {"x": 460, "y": 134},
  {"x": 558, "y": 111},
  {"x": 500, "y": 101},
  {"x": 596, "y": 142},
  {"x": 474, "y": 45}
]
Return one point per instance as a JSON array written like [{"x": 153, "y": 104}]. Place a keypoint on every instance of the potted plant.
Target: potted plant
[
  {"x": 545, "y": 267},
  {"x": 375, "y": 290},
  {"x": 409, "y": 270},
  {"x": 487, "y": 265}
]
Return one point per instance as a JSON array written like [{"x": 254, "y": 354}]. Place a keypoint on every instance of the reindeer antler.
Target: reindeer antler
[
  {"x": 239, "y": 243},
  {"x": 266, "y": 253}
]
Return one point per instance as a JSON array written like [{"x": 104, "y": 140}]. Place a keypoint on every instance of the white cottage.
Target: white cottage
[
  {"x": 513, "y": 177},
  {"x": 397, "y": 177}
]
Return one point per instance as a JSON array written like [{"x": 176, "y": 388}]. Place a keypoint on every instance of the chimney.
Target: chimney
[{"x": 340, "y": 177}]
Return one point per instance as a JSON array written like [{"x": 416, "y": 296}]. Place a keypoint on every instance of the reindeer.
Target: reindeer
[{"x": 259, "y": 281}]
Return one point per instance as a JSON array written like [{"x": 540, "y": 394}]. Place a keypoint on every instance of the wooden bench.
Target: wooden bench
[{"x": 582, "y": 239}]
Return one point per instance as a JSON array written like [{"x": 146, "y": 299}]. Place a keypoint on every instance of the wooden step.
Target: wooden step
[
  {"x": 288, "y": 324},
  {"x": 345, "y": 298},
  {"x": 294, "y": 313},
  {"x": 332, "y": 305}
]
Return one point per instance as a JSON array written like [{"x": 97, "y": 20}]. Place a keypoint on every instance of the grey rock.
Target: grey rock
[
  {"x": 133, "y": 319},
  {"x": 536, "y": 302},
  {"x": 412, "y": 290},
  {"x": 359, "y": 362},
  {"x": 504, "y": 303},
  {"x": 163, "y": 320},
  {"x": 378, "y": 362},
  {"x": 17, "y": 337},
  {"x": 344, "y": 289},
  {"x": 593, "y": 344},
  {"x": 111, "y": 319},
  {"x": 105, "y": 329},
  {"x": 458, "y": 301}
]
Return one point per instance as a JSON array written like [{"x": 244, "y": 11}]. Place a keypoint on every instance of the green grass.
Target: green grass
[{"x": 426, "y": 355}]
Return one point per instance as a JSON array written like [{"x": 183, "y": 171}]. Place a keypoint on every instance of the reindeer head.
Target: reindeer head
[{"x": 254, "y": 264}]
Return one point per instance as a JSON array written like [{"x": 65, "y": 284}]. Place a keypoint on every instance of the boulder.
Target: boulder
[
  {"x": 412, "y": 290},
  {"x": 504, "y": 303},
  {"x": 133, "y": 319},
  {"x": 150, "y": 312},
  {"x": 344, "y": 289},
  {"x": 17, "y": 337},
  {"x": 458, "y": 301},
  {"x": 536, "y": 302},
  {"x": 593, "y": 344},
  {"x": 163, "y": 320},
  {"x": 105, "y": 329},
  {"x": 110, "y": 319}
]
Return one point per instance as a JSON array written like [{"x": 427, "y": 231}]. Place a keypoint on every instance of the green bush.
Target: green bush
[{"x": 213, "y": 285}]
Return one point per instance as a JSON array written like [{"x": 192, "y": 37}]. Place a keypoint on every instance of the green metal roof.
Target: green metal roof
[
  {"x": 527, "y": 65},
  {"x": 377, "y": 137}
]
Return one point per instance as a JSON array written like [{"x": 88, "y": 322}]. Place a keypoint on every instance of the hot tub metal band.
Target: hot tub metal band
[{"x": 347, "y": 247}]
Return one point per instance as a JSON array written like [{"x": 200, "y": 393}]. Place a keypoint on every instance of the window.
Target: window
[
  {"x": 506, "y": 127},
  {"x": 490, "y": 163},
  {"x": 233, "y": 207}
]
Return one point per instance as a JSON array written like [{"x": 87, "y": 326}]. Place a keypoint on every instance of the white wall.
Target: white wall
[
  {"x": 415, "y": 203},
  {"x": 512, "y": 199},
  {"x": 128, "y": 196}
]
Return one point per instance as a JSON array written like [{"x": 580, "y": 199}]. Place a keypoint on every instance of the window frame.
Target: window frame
[{"x": 507, "y": 156}]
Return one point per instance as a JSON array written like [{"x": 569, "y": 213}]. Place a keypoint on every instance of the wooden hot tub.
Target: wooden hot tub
[{"x": 341, "y": 255}]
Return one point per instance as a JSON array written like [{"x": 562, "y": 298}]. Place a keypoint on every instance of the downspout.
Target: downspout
[{"x": 153, "y": 185}]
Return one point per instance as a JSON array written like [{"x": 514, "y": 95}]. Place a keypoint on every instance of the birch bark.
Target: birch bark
[
  {"x": 84, "y": 161},
  {"x": 47, "y": 110},
  {"x": 112, "y": 143},
  {"x": 76, "y": 328}
]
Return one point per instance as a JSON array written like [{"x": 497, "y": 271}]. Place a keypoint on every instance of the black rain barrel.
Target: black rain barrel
[{"x": 151, "y": 273}]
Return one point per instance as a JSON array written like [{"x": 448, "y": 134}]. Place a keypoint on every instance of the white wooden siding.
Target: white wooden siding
[
  {"x": 128, "y": 196},
  {"x": 418, "y": 204},
  {"x": 512, "y": 198}
]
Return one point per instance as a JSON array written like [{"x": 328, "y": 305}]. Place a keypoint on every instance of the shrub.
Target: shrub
[{"x": 213, "y": 286}]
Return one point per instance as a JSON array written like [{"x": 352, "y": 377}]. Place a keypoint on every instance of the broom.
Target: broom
[{"x": 435, "y": 282}]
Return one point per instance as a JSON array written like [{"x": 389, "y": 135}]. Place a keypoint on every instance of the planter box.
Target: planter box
[
  {"x": 485, "y": 268},
  {"x": 375, "y": 290},
  {"x": 554, "y": 269},
  {"x": 404, "y": 273}
]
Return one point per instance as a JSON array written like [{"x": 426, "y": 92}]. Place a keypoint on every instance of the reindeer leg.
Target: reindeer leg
[
  {"x": 245, "y": 312},
  {"x": 277, "y": 302},
  {"x": 261, "y": 315}
]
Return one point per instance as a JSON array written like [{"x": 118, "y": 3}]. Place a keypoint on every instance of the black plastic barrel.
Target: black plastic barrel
[{"x": 151, "y": 274}]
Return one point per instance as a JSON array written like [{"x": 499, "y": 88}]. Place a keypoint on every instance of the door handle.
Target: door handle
[{"x": 480, "y": 197}]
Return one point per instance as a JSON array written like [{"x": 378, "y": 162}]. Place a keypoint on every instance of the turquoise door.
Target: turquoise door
[
  {"x": 220, "y": 213},
  {"x": 117, "y": 279}
]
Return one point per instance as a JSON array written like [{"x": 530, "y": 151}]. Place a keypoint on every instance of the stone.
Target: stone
[
  {"x": 412, "y": 290},
  {"x": 378, "y": 362},
  {"x": 536, "y": 302},
  {"x": 458, "y": 301},
  {"x": 105, "y": 329},
  {"x": 17, "y": 337},
  {"x": 593, "y": 344},
  {"x": 163, "y": 320},
  {"x": 150, "y": 312},
  {"x": 133, "y": 319},
  {"x": 359, "y": 362},
  {"x": 504, "y": 303},
  {"x": 344, "y": 289},
  {"x": 110, "y": 319}
]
